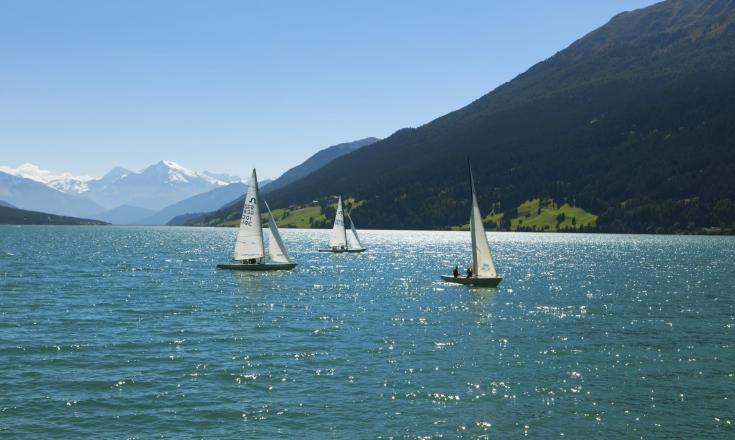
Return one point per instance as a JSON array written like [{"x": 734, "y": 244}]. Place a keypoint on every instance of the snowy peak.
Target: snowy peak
[
  {"x": 175, "y": 173},
  {"x": 64, "y": 182},
  {"x": 224, "y": 177}
]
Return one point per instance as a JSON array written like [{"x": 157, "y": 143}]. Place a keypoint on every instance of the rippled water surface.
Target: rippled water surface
[{"x": 132, "y": 332}]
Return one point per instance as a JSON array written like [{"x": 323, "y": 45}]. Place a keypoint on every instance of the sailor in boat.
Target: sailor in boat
[
  {"x": 469, "y": 272},
  {"x": 456, "y": 272}
]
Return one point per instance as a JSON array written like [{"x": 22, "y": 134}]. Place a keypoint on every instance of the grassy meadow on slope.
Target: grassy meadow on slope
[{"x": 539, "y": 215}]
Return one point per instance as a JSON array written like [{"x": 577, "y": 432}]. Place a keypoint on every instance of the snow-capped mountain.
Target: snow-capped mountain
[
  {"x": 224, "y": 177},
  {"x": 119, "y": 193},
  {"x": 154, "y": 187},
  {"x": 32, "y": 195},
  {"x": 65, "y": 182}
]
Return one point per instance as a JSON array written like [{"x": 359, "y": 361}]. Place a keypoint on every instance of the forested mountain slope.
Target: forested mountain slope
[{"x": 633, "y": 122}]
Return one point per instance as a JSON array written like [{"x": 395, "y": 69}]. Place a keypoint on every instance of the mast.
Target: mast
[
  {"x": 472, "y": 219},
  {"x": 344, "y": 230}
]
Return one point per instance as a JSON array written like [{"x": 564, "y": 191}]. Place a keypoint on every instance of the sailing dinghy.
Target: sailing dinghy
[
  {"x": 249, "y": 245},
  {"x": 483, "y": 267},
  {"x": 338, "y": 242}
]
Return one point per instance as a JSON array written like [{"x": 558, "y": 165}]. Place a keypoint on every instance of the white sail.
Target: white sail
[
  {"x": 249, "y": 243},
  {"x": 354, "y": 239},
  {"x": 276, "y": 249},
  {"x": 339, "y": 235},
  {"x": 482, "y": 259}
]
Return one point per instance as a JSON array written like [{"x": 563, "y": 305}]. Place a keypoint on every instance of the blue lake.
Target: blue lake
[{"x": 131, "y": 332}]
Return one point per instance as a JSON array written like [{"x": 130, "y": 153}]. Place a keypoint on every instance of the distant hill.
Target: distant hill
[
  {"x": 14, "y": 216},
  {"x": 200, "y": 204},
  {"x": 232, "y": 208},
  {"x": 32, "y": 195},
  {"x": 6, "y": 204},
  {"x": 207, "y": 201},
  {"x": 124, "y": 215},
  {"x": 633, "y": 123},
  {"x": 213, "y": 218},
  {"x": 317, "y": 161}
]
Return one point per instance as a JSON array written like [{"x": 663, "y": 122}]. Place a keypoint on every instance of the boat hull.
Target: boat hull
[
  {"x": 343, "y": 251},
  {"x": 257, "y": 267},
  {"x": 474, "y": 281}
]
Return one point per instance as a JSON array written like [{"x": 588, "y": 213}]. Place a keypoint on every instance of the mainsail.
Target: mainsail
[
  {"x": 339, "y": 236},
  {"x": 249, "y": 243},
  {"x": 354, "y": 239},
  {"x": 276, "y": 249},
  {"x": 482, "y": 260}
]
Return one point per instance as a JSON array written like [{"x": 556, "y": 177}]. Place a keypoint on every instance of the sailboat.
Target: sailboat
[
  {"x": 249, "y": 245},
  {"x": 483, "y": 267},
  {"x": 338, "y": 240}
]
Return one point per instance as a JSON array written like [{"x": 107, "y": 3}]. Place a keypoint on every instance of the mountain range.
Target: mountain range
[
  {"x": 632, "y": 122},
  {"x": 121, "y": 196},
  {"x": 154, "y": 187},
  {"x": 154, "y": 195}
]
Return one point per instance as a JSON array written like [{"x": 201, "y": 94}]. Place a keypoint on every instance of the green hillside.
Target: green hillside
[{"x": 15, "y": 216}]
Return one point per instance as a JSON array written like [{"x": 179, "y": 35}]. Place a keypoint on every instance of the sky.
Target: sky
[{"x": 227, "y": 85}]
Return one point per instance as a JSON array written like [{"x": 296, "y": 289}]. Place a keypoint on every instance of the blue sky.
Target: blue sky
[{"x": 228, "y": 85}]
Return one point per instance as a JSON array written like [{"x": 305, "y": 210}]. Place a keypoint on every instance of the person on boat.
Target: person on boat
[
  {"x": 456, "y": 272},
  {"x": 469, "y": 272}
]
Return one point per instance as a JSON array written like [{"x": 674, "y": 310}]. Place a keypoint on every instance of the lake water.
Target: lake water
[{"x": 132, "y": 332}]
